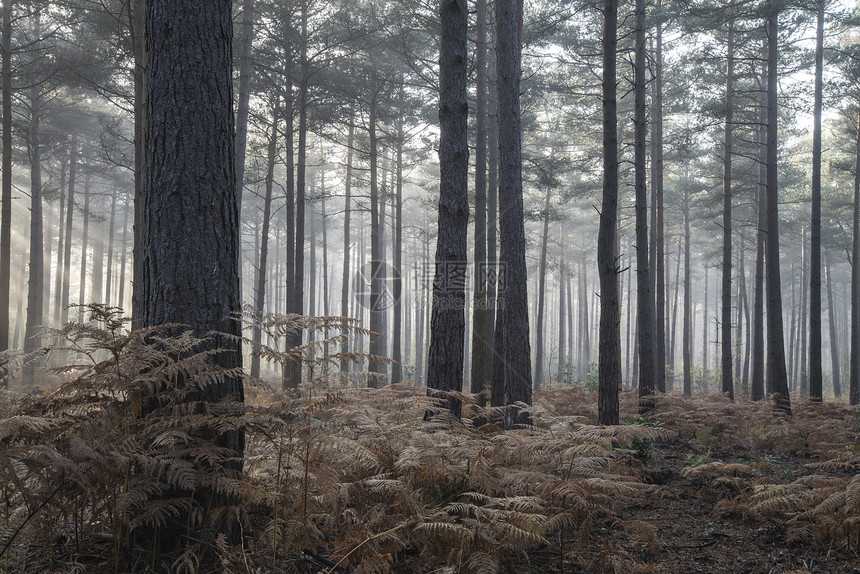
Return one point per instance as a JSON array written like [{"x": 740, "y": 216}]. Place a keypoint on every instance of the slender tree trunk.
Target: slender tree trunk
[
  {"x": 687, "y": 341},
  {"x": 6, "y": 193},
  {"x": 35, "y": 301},
  {"x": 804, "y": 278},
  {"x": 628, "y": 350},
  {"x": 657, "y": 192},
  {"x": 674, "y": 324},
  {"x": 245, "y": 42},
  {"x": 124, "y": 256},
  {"x": 67, "y": 242},
  {"x": 377, "y": 320},
  {"x": 61, "y": 236},
  {"x": 726, "y": 354},
  {"x": 397, "y": 281},
  {"x": 260, "y": 287},
  {"x": 562, "y": 310},
  {"x": 137, "y": 26},
  {"x": 347, "y": 212},
  {"x": 539, "y": 331},
  {"x": 609, "y": 362},
  {"x": 492, "y": 214},
  {"x": 834, "y": 339},
  {"x": 815, "y": 369},
  {"x": 757, "y": 387},
  {"x": 739, "y": 321},
  {"x": 854, "y": 365},
  {"x": 645, "y": 306},
  {"x": 82, "y": 291},
  {"x": 108, "y": 299},
  {"x": 775, "y": 338},
  {"x": 792, "y": 330},
  {"x": 705, "y": 336}
]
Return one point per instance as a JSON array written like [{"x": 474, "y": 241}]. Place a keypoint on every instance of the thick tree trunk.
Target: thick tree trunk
[
  {"x": 609, "y": 362},
  {"x": 260, "y": 287},
  {"x": 728, "y": 387},
  {"x": 447, "y": 323},
  {"x": 191, "y": 258},
  {"x": 775, "y": 338},
  {"x": 517, "y": 355},
  {"x": 815, "y": 369}
]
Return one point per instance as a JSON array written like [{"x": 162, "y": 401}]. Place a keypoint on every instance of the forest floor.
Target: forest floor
[
  {"x": 706, "y": 510},
  {"x": 357, "y": 480}
]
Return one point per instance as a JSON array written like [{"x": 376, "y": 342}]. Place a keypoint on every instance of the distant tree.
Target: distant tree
[{"x": 815, "y": 369}]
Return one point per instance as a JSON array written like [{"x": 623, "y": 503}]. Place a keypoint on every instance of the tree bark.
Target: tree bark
[
  {"x": 347, "y": 213},
  {"x": 657, "y": 191},
  {"x": 246, "y": 40},
  {"x": 447, "y": 323},
  {"x": 757, "y": 382},
  {"x": 191, "y": 258},
  {"x": 479, "y": 312},
  {"x": 854, "y": 360},
  {"x": 6, "y": 192},
  {"x": 35, "y": 301},
  {"x": 85, "y": 228},
  {"x": 728, "y": 387},
  {"x": 834, "y": 338},
  {"x": 512, "y": 228},
  {"x": 687, "y": 339},
  {"x": 645, "y": 307},
  {"x": 815, "y": 369},
  {"x": 397, "y": 354},
  {"x": 609, "y": 365},
  {"x": 539, "y": 329},
  {"x": 137, "y": 25},
  {"x": 775, "y": 338},
  {"x": 67, "y": 242}
]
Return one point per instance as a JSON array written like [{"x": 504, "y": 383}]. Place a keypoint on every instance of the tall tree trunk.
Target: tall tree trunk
[
  {"x": 6, "y": 193},
  {"x": 108, "y": 296},
  {"x": 85, "y": 229},
  {"x": 260, "y": 287},
  {"x": 492, "y": 213},
  {"x": 674, "y": 323},
  {"x": 517, "y": 363},
  {"x": 645, "y": 307},
  {"x": 347, "y": 213},
  {"x": 61, "y": 236},
  {"x": 737, "y": 352},
  {"x": 377, "y": 319},
  {"x": 98, "y": 240},
  {"x": 289, "y": 377},
  {"x": 191, "y": 253},
  {"x": 834, "y": 338},
  {"x": 242, "y": 108},
  {"x": 137, "y": 25},
  {"x": 854, "y": 365},
  {"x": 775, "y": 338},
  {"x": 35, "y": 301},
  {"x": 539, "y": 331},
  {"x": 123, "y": 257},
  {"x": 67, "y": 242},
  {"x": 804, "y": 281},
  {"x": 757, "y": 386},
  {"x": 479, "y": 312},
  {"x": 445, "y": 358},
  {"x": 705, "y": 336},
  {"x": 628, "y": 351},
  {"x": 609, "y": 362},
  {"x": 562, "y": 310},
  {"x": 397, "y": 281},
  {"x": 657, "y": 192},
  {"x": 687, "y": 340},
  {"x": 815, "y": 369},
  {"x": 728, "y": 386}
]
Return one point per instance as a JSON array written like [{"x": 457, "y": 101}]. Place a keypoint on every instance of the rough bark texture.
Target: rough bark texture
[
  {"x": 645, "y": 306},
  {"x": 517, "y": 357},
  {"x": 492, "y": 216},
  {"x": 728, "y": 386},
  {"x": 657, "y": 222},
  {"x": 447, "y": 323},
  {"x": 775, "y": 337},
  {"x": 139, "y": 77},
  {"x": 479, "y": 312},
  {"x": 192, "y": 225},
  {"x": 815, "y": 369},
  {"x": 609, "y": 361}
]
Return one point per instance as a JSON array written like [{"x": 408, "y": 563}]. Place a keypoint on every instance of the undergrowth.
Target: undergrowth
[{"x": 342, "y": 478}]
